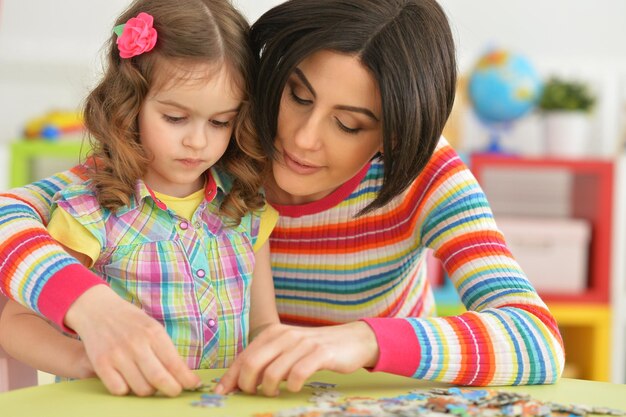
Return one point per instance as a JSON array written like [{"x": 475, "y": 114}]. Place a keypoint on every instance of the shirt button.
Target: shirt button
[
  {"x": 211, "y": 322},
  {"x": 200, "y": 273},
  {"x": 184, "y": 225}
]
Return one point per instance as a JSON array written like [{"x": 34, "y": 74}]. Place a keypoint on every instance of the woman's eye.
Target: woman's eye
[
  {"x": 219, "y": 123},
  {"x": 298, "y": 99},
  {"x": 350, "y": 130},
  {"x": 173, "y": 119}
]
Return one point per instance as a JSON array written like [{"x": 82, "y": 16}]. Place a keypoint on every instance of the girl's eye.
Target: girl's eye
[
  {"x": 350, "y": 130},
  {"x": 173, "y": 119},
  {"x": 218, "y": 123},
  {"x": 297, "y": 99}
]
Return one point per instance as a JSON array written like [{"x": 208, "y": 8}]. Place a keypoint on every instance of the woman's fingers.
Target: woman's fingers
[
  {"x": 269, "y": 360},
  {"x": 306, "y": 366},
  {"x": 293, "y": 354},
  {"x": 112, "y": 380},
  {"x": 253, "y": 361},
  {"x": 130, "y": 351},
  {"x": 247, "y": 369},
  {"x": 133, "y": 377},
  {"x": 167, "y": 371},
  {"x": 228, "y": 381},
  {"x": 284, "y": 364}
]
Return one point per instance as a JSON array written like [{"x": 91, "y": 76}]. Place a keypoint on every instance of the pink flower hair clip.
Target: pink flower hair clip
[{"x": 136, "y": 36}]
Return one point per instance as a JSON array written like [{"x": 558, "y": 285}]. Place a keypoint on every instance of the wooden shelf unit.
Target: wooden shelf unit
[
  {"x": 584, "y": 319},
  {"x": 592, "y": 200}
]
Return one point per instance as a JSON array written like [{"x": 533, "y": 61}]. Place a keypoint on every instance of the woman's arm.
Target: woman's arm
[
  {"x": 47, "y": 281},
  {"x": 289, "y": 353},
  {"x": 508, "y": 337},
  {"x": 129, "y": 349},
  {"x": 32, "y": 340}
]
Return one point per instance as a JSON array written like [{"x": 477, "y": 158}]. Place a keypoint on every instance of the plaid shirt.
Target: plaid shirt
[{"x": 194, "y": 277}]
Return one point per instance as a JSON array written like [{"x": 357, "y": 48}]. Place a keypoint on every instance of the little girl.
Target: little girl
[{"x": 171, "y": 216}]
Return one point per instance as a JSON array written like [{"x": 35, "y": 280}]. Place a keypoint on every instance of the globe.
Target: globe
[{"x": 503, "y": 86}]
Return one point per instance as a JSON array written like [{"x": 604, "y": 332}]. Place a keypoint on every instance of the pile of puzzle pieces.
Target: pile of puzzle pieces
[{"x": 450, "y": 402}]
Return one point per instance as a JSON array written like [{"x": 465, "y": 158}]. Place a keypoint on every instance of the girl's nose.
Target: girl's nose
[{"x": 196, "y": 137}]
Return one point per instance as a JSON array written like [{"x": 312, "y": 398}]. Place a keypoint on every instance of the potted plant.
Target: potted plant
[{"x": 566, "y": 106}]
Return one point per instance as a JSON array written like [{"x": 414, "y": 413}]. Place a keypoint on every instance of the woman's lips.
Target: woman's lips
[{"x": 299, "y": 167}]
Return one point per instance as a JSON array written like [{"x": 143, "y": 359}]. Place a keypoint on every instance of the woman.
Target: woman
[{"x": 352, "y": 96}]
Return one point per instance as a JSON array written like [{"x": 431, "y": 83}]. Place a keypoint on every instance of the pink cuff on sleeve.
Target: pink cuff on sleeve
[
  {"x": 62, "y": 289},
  {"x": 399, "y": 348}
]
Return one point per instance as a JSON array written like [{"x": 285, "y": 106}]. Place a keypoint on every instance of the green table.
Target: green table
[{"x": 89, "y": 397}]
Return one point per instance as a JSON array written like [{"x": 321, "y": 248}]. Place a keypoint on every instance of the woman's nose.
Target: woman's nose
[{"x": 308, "y": 134}]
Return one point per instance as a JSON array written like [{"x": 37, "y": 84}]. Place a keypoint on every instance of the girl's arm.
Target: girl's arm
[
  {"x": 32, "y": 340},
  {"x": 263, "y": 312}
]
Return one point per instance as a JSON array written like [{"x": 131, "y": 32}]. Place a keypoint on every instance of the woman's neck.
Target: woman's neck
[{"x": 276, "y": 195}]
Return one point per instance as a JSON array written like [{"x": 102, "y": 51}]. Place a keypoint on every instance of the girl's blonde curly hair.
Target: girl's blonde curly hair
[{"x": 190, "y": 32}]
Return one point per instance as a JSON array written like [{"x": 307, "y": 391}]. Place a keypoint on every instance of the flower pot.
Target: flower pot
[{"x": 567, "y": 133}]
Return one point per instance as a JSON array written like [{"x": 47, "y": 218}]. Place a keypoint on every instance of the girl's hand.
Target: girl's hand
[
  {"x": 293, "y": 354},
  {"x": 129, "y": 350},
  {"x": 82, "y": 365}
]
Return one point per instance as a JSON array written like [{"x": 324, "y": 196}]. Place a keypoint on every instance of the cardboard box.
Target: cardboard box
[{"x": 553, "y": 252}]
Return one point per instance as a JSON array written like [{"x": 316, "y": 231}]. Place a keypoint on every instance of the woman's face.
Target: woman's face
[{"x": 329, "y": 127}]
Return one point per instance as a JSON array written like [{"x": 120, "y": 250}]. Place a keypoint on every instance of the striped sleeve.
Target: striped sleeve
[
  {"x": 507, "y": 336},
  {"x": 34, "y": 270}
]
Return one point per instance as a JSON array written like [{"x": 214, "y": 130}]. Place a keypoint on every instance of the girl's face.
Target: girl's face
[
  {"x": 329, "y": 127},
  {"x": 185, "y": 129}
]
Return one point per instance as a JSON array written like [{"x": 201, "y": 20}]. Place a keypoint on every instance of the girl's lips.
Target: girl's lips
[
  {"x": 299, "y": 167},
  {"x": 190, "y": 162}
]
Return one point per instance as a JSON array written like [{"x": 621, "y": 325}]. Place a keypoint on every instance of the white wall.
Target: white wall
[
  {"x": 581, "y": 39},
  {"x": 49, "y": 49},
  {"x": 568, "y": 32}
]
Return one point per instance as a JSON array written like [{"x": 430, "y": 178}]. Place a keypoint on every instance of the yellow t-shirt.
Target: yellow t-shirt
[{"x": 65, "y": 229}]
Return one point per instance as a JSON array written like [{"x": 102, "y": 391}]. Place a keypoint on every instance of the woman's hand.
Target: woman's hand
[
  {"x": 129, "y": 350},
  {"x": 293, "y": 354}
]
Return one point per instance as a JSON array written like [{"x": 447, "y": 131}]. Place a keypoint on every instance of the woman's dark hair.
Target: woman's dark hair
[{"x": 406, "y": 45}]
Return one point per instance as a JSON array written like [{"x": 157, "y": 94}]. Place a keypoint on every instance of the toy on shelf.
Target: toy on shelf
[{"x": 55, "y": 125}]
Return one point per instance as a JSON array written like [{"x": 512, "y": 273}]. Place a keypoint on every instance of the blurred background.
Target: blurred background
[{"x": 540, "y": 118}]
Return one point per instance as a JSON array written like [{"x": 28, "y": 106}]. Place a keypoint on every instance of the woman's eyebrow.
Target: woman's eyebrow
[
  {"x": 298, "y": 72},
  {"x": 304, "y": 80}
]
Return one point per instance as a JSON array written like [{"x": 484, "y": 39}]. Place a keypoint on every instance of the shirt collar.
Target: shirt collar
[{"x": 217, "y": 182}]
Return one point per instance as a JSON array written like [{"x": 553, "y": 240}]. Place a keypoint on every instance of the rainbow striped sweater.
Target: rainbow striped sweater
[{"x": 331, "y": 267}]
